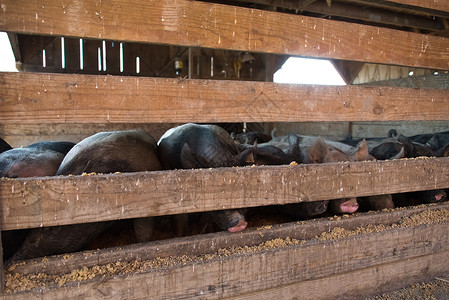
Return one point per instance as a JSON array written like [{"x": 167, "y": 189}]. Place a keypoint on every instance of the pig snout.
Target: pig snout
[
  {"x": 230, "y": 220},
  {"x": 440, "y": 197},
  {"x": 434, "y": 196},
  {"x": 349, "y": 206},
  {"x": 237, "y": 226},
  {"x": 345, "y": 206}
]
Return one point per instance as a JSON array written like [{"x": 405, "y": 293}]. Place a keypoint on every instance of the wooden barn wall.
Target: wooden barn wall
[
  {"x": 237, "y": 29},
  {"x": 199, "y": 24},
  {"x": 53, "y": 99},
  {"x": 83, "y": 99}
]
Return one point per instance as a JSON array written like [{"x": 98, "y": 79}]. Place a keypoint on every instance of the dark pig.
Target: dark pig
[
  {"x": 415, "y": 149},
  {"x": 435, "y": 140},
  {"x": 192, "y": 146},
  {"x": 116, "y": 151},
  {"x": 109, "y": 152},
  {"x": 204, "y": 146},
  {"x": 376, "y": 202},
  {"x": 61, "y": 147},
  {"x": 104, "y": 152},
  {"x": 250, "y": 138},
  {"x": 26, "y": 162},
  {"x": 29, "y": 162},
  {"x": 419, "y": 197},
  {"x": 277, "y": 152},
  {"x": 380, "y": 148},
  {"x": 317, "y": 150}
]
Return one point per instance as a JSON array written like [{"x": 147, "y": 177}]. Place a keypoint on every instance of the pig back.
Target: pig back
[
  {"x": 115, "y": 151},
  {"x": 197, "y": 146}
]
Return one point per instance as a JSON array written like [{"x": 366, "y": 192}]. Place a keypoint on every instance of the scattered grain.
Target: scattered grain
[
  {"x": 426, "y": 217},
  {"x": 265, "y": 227},
  {"x": 16, "y": 282}
]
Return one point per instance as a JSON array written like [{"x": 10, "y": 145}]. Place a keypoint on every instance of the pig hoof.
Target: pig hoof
[{"x": 239, "y": 227}]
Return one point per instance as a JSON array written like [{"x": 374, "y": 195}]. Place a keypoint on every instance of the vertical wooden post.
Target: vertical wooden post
[{"x": 2, "y": 270}]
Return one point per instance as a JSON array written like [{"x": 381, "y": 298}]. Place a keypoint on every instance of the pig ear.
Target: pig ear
[
  {"x": 246, "y": 157},
  {"x": 191, "y": 160},
  {"x": 392, "y": 133},
  {"x": 293, "y": 143},
  {"x": 293, "y": 150},
  {"x": 401, "y": 154},
  {"x": 318, "y": 151},
  {"x": 362, "y": 152},
  {"x": 408, "y": 144}
]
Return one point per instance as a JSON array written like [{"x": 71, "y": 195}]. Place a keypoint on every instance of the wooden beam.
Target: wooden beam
[
  {"x": 441, "y": 5},
  {"x": 348, "y": 70},
  {"x": 356, "y": 11},
  {"x": 360, "y": 284},
  {"x": 62, "y": 98},
  {"x": 53, "y": 201},
  {"x": 199, "y": 24},
  {"x": 14, "y": 41},
  {"x": 413, "y": 7},
  {"x": 211, "y": 243},
  {"x": 2, "y": 268},
  {"x": 402, "y": 254}
]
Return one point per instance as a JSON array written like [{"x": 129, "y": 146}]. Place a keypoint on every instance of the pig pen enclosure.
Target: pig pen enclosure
[{"x": 91, "y": 66}]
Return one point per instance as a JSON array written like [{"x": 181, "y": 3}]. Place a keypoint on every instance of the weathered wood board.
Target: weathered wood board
[
  {"x": 441, "y": 5},
  {"x": 80, "y": 199},
  {"x": 212, "y": 242},
  {"x": 62, "y": 98},
  {"x": 199, "y": 24},
  {"x": 368, "y": 260},
  {"x": 362, "y": 283}
]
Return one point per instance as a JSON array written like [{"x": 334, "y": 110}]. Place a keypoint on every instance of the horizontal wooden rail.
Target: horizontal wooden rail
[
  {"x": 200, "y": 24},
  {"x": 441, "y": 5},
  {"x": 212, "y": 242},
  {"x": 80, "y": 199},
  {"x": 62, "y": 98},
  {"x": 406, "y": 254}
]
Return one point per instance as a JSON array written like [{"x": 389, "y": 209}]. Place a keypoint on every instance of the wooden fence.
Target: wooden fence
[{"x": 75, "y": 98}]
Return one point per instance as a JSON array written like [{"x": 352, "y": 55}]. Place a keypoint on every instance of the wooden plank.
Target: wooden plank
[
  {"x": 211, "y": 243},
  {"x": 200, "y": 24},
  {"x": 441, "y": 5},
  {"x": 423, "y": 8},
  {"x": 14, "y": 41},
  {"x": 348, "y": 70},
  {"x": 65, "y": 200},
  {"x": 400, "y": 252},
  {"x": 63, "y": 98},
  {"x": 2, "y": 268},
  {"x": 361, "y": 283},
  {"x": 365, "y": 13}
]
